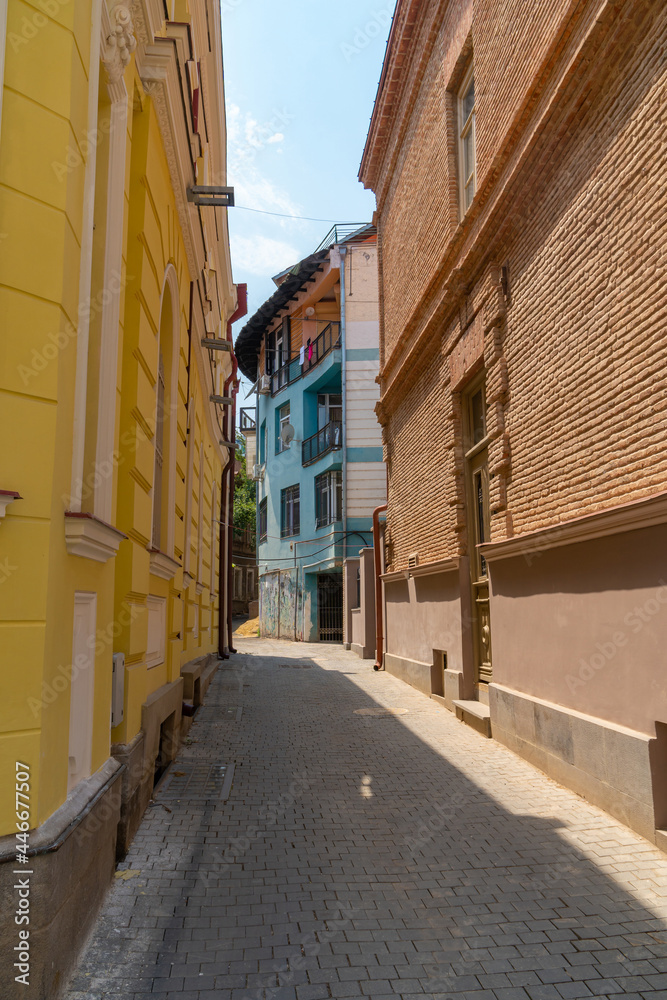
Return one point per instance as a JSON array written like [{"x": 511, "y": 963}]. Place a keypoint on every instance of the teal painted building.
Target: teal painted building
[{"x": 312, "y": 352}]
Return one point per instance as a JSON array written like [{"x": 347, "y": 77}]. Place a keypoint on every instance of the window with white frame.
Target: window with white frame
[
  {"x": 466, "y": 128},
  {"x": 328, "y": 498},
  {"x": 283, "y": 420},
  {"x": 329, "y": 408}
]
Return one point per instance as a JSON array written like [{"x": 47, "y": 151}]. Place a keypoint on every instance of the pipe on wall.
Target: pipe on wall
[
  {"x": 379, "y": 624},
  {"x": 227, "y": 490},
  {"x": 343, "y": 258}
]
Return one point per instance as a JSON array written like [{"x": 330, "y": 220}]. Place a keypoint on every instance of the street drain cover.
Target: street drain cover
[
  {"x": 380, "y": 712},
  {"x": 296, "y": 666},
  {"x": 196, "y": 781},
  {"x": 233, "y": 713}
]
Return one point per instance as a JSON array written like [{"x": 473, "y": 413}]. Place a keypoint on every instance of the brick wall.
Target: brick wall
[{"x": 571, "y": 155}]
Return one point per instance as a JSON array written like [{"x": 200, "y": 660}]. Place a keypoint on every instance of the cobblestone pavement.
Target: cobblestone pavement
[{"x": 369, "y": 853}]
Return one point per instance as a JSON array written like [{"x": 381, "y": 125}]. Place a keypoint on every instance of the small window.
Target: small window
[
  {"x": 358, "y": 604},
  {"x": 478, "y": 416},
  {"x": 262, "y": 520},
  {"x": 290, "y": 512},
  {"x": 467, "y": 155},
  {"x": 283, "y": 415},
  {"x": 328, "y": 498}
]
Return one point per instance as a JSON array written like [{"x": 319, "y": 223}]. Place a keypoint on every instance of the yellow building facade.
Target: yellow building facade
[{"x": 113, "y": 457}]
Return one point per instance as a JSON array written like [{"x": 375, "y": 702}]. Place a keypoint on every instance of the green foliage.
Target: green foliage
[{"x": 244, "y": 492}]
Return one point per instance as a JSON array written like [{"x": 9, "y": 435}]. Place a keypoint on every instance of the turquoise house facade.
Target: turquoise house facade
[{"x": 312, "y": 351}]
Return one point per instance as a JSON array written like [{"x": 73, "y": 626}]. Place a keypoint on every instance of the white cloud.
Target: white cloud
[
  {"x": 253, "y": 189},
  {"x": 262, "y": 255}
]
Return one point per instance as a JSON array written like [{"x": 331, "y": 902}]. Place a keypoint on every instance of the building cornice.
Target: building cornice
[
  {"x": 502, "y": 191},
  {"x": 646, "y": 513},
  {"x": 164, "y": 49},
  {"x": 396, "y": 577},
  {"x": 439, "y": 566},
  {"x": 393, "y": 82}
]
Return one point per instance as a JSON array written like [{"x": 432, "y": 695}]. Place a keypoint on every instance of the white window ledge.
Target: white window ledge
[
  {"x": 7, "y": 497},
  {"x": 162, "y": 565},
  {"x": 90, "y": 537}
]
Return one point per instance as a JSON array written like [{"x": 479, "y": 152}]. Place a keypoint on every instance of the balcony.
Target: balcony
[
  {"x": 322, "y": 345},
  {"x": 329, "y": 438},
  {"x": 245, "y": 541},
  {"x": 248, "y": 420}
]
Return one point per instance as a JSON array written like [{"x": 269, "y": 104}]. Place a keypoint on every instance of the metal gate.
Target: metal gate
[{"x": 330, "y": 607}]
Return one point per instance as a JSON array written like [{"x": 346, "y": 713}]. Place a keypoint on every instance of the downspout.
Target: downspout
[
  {"x": 379, "y": 626},
  {"x": 227, "y": 488},
  {"x": 230, "y": 526},
  {"x": 343, "y": 257}
]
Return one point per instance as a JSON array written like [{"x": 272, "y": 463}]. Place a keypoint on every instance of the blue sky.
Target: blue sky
[{"x": 300, "y": 81}]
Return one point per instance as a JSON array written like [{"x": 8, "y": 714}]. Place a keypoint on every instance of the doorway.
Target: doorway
[
  {"x": 330, "y": 607},
  {"x": 477, "y": 511}
]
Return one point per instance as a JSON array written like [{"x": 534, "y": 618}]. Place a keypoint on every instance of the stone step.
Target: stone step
[
  {"x": 475, "y": 714},
  {"x": 661, "y": 840}
]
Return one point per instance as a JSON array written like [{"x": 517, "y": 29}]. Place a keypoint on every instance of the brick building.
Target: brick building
[{"x": 517, "y": 152}]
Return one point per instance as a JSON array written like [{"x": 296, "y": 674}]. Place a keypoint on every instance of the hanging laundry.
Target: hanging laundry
[
  {"x": 302, "y": 355},
  {"x": 310, "y": 350}
]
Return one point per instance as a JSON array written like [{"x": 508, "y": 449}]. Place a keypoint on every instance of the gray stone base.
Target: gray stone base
[
  {"x": 608, "y": 765},
  {"x": 72, "y": 868},
  {"x": 163, "y": 707},
  {"x": 135, "y": 790},
  {"x": 417, "y": 674}
]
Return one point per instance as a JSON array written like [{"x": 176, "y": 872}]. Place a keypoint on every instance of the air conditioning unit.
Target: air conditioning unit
[
  {"x": 264, "y": 385},
  {"x": 258, "y": 473},
  {"x": 117, "y": 689}
]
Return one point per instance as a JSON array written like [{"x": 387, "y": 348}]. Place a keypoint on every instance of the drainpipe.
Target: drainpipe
[
  {"x": 227, "y": 487},
  {"x": 343, "y": 257},
  {"x": 379, "y": 630}
]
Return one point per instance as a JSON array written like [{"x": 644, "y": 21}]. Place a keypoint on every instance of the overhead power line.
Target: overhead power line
[{"x": 297, "y": 218}]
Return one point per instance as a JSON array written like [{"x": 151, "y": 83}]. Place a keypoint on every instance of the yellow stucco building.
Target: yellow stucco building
[{"x": 113, "y": 463}]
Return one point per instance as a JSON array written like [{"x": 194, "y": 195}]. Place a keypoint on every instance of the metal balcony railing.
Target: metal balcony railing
[
  {"x": 318, "y": 349},
  {"x": 329, "y": 438}
]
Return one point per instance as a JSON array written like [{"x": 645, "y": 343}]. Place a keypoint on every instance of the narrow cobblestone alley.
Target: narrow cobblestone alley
[{"x": 329, "y": 832}]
